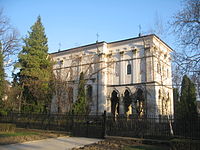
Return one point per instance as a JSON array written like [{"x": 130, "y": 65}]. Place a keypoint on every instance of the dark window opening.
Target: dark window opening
[
  {"x": 114, "y": 103},
  {"x": 89, "y": 92},
  {"x": 129, "y": 69}
]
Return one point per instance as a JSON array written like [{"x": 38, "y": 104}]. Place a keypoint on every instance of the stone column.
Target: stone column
[
  {"x": 135, "y": 68},
  {"x": 121, "y": 73},
  {"x": 102, "y": 86},
  {"x": 132, "y": 69},
  {"x": 121, "y": 105},
  {"x": 108, "y": 105}
]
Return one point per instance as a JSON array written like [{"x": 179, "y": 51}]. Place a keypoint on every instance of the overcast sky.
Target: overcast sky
[{"x": 76, "y": 22}]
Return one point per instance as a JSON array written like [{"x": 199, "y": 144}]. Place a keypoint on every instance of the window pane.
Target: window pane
[{"x": 129, "y": 69}]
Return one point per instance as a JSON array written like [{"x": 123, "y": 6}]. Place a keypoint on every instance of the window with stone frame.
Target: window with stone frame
[
  {"x": 129, "y": 68},
  {"x": 89, "y": 94},
  {"x": 117, "y": 69},
  {"x": 71, "y": 73},
  {"x": 70, "y": 95},
  {"x": 167, "y": 73},
  {"x": 158, "y": 68}
]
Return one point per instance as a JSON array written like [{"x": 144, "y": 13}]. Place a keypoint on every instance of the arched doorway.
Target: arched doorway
[
  {"x": 139, "y": 102},
  {"x": 114, "y": 103},
  {"x": 127, "y": 102}
]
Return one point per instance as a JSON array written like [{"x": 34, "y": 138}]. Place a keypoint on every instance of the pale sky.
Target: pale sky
[{"x": 76, "y": 22}]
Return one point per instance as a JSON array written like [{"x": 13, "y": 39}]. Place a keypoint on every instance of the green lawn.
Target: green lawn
[
  {"x": 17, "y": 134},
  {"x": 23, "y": 135},
  {"x": 145, "y": 147}
]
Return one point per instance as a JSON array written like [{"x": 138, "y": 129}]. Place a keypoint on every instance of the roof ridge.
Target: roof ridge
[{"x": 111, "y": 43}]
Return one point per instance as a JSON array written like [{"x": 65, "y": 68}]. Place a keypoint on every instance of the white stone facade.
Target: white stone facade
[{"x": 139, "y": 68}]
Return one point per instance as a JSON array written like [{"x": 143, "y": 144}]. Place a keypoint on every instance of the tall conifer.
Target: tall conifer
[
  {"x": 187, "y": 106},
  {"x": 35, "y": 69},
  {"x": 81, "y": 106}
]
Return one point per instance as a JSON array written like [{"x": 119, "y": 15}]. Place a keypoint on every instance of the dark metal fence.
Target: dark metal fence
[
  {"x": 187, "y": 128},
  {"x": 101, "y": 125},
  {"x": 78, "y": 125},
  {"x": 88, "y": 126},
  {"x": 137, "y": 127},
  {"x": 39, "y": 121}
]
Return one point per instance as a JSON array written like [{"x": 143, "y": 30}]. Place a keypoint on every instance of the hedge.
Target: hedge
[{"x": 7, "y": 127}]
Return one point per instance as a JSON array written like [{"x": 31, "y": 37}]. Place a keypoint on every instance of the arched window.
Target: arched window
[
  {"x": 167, "y": 73},
  {"x": 70, "y": 95},
  {"x": 129, "y": 69},
  {"x": 89, "y": 92},
  {"x": 139, "y": 102},
  {"x": 126, "y": 93},
  {"x": 71, "y": 73},
  {"x": 127, "y": 100},
  {"x": 140, "y": 95},
  {"x": 114, "y": 103},
  {"x": 117, "y": 69},
  {"x": 158, "y": 68},
  {"x": 89, "y": 98}
]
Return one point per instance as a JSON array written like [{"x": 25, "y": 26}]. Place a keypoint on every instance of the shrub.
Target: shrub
[
  {"x": 185, "y": 144},
  {"x": 7, "y": 127}
]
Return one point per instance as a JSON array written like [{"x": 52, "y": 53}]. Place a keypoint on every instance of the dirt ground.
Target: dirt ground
[
  {"x": 40, "y": 134},
  {"x": 117, "y": 144}
]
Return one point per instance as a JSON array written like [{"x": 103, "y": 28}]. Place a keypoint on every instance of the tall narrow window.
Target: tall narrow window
[
  {"x": 129, "y": 69},
  {"x": 70, "y": 95},
  {"x": 158, "y": 68},
  {"x": 117, "y": 69},
  {"x": 61, "y": 62},
  {"x": 167, "y": 73},
  {"x": 71, "y": 73},
  {"x": 89, "y": 92},
  {"x": 89, "y": 98}
]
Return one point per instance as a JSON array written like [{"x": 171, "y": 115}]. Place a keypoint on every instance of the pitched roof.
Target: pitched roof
[{"x": 93, "y": 44}]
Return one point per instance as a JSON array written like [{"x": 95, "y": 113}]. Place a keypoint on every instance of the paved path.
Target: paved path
[{"x": 61, "y": 143}]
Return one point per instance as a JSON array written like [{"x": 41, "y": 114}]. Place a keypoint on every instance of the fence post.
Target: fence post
[
  {"x": 104, "y": 125},
  {"x": 49, "y": 121},
  {"x": 72, "y": 120},
  {"x": 87, "y": 124}
]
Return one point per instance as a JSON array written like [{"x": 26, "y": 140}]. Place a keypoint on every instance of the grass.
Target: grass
[
  {"x": 24, "y": 135},
  {"x": 17, "y": 134},
  {"x": 144, "y": 147}
]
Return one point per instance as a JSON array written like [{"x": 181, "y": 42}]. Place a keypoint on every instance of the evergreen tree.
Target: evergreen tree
[
  {"x": 35, "y": 70},
  {"x": 187, "y": 106},
  {"x": 2, "y": 81},
  {"x": 81, "y": 106},
  {"x": 176, "y": 101}
]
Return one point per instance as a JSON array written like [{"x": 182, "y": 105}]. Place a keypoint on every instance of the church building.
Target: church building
[{"x": 130, "y": 76}]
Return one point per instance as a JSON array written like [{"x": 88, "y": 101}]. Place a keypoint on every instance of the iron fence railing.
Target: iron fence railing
[{"x": 101, "y": 125}]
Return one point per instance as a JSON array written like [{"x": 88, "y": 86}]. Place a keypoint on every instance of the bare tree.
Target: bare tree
[
  {"x": 9, "y": 46},
  {"x": 186, "y": 24},
  {"x": 9, "y": 38},
  {"x": 67, "y": 77},
  {"x": 158, "y": 27},
  {"x": 62, "y": 92}
]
